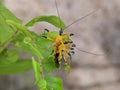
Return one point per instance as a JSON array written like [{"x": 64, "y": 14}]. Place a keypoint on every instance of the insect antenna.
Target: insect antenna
[
  {"x": 81, "y": 18},
  {"x": 89, "y": 52},
  {"x": 56, "y": 5},
  {"x": 77, "y": 20}
]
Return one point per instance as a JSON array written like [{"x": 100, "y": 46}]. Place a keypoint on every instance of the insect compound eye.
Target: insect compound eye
[
  {"x": 71, "y": 34},
  {"x": 46, "y": 29}
]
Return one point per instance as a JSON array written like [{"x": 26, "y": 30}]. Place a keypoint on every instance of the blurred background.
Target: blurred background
[{"x": 98, "y": 33}]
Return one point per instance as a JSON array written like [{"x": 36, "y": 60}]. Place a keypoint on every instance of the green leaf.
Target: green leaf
[
  {"x": 9, "y": 57},
  {"x": 43, "y": 46},
  {"x": 5, "y": 30},
  {"x": 54, "y": 20},
  {"x": 20, "y": 27},
  {"x": 16, "y": 24},
  {"x": 50, "y": 66},
  {"x": 42, "y": 84},
  {"x": 6, "y": 14},
  {"x": 54, "y": 83},
  {"x": 18, "y": 67},
  {"x": 19, "y": 42},
  {"x": 37, "y": 69}
]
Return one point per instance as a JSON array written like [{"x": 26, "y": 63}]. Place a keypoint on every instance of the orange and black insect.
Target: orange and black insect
[{"x": 63, "y": 46}]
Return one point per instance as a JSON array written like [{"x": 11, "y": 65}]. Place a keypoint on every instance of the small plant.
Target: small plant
[
  {"x": 13, "y": 33},
  {"x": 50, "y": 51}
]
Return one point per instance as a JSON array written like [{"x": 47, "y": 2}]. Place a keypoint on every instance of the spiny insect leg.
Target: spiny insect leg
[
  {"x": 73, "y": 45},
  {"x": 71, "y": 34},
  {"x": 68, "y": 42},
  {"x": 70, "y": 55},
  {"x": 65, "y": 60},
  {"x": 72, "y": 52},
  {"x": 46, "y": 30},
  {"x": 71, "y": 48}
]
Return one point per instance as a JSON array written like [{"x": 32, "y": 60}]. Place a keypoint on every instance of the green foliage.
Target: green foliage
[
  {"x": 54, "y": 20},
  {"x": 50, "y": 65},
  {"x": 13, "y": 33},
  {"x": 20, "y": 66},
  {"x": 54, "y": 83},
  {"x": 9, "y": 56},
  {"x": 37, "y": 69},
  {"x": 6, "y": 32}
]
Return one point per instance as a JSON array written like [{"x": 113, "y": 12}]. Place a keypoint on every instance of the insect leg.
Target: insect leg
[
  {"x": 46, "y": 30},
  {"x": 70, "y": 55}
]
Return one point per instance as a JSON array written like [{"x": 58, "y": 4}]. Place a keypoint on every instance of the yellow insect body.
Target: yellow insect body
[{"x": 62, "y": 48}]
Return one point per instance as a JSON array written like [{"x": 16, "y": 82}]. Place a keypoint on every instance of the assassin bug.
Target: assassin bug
[{"x": 63, "y": 46}]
